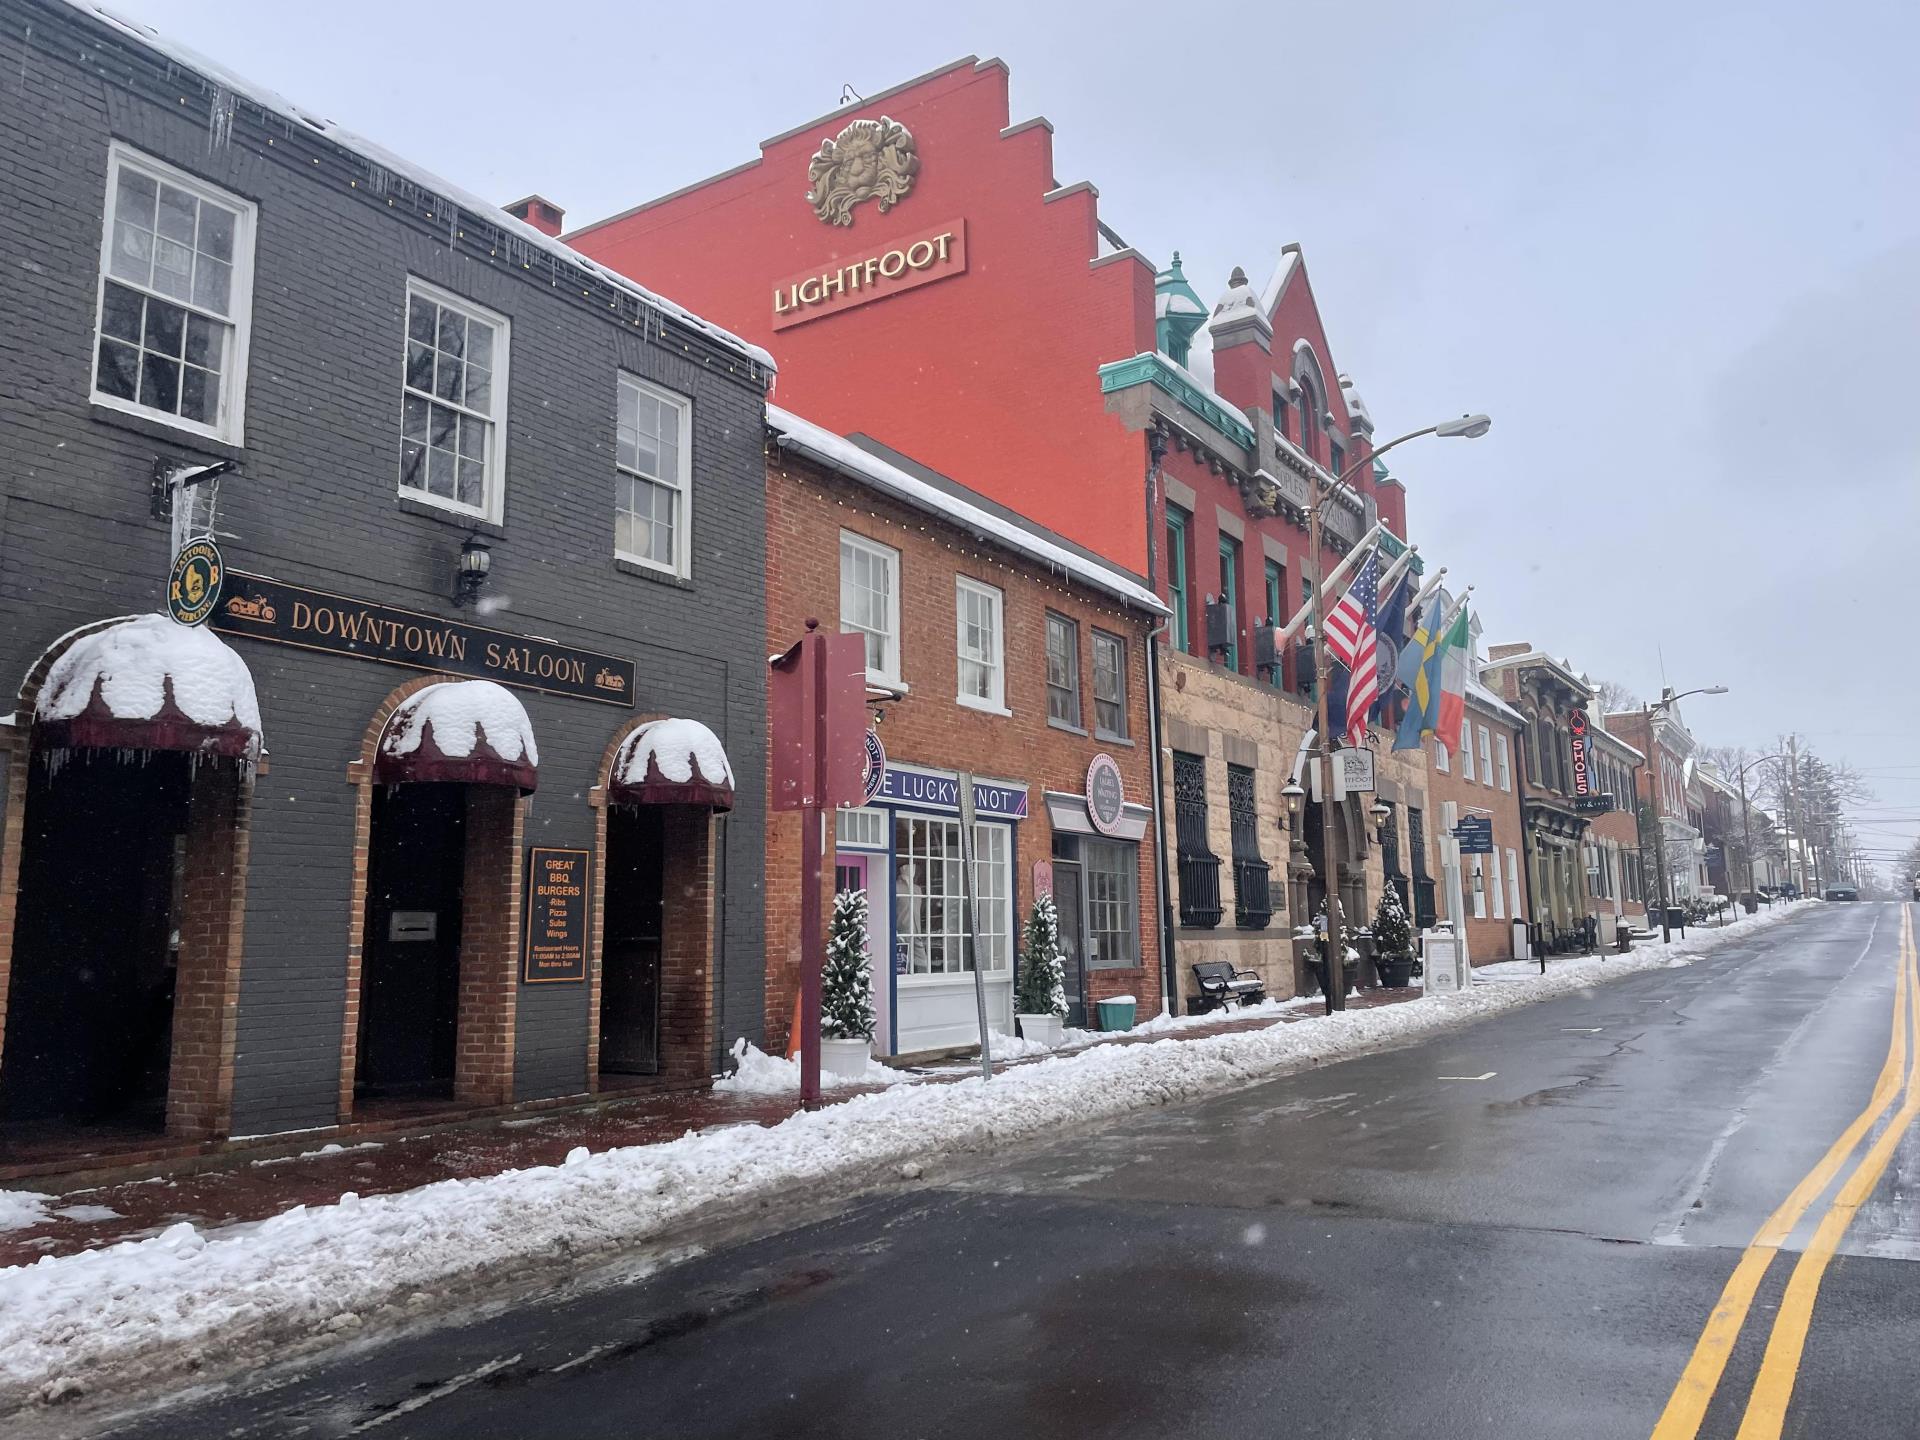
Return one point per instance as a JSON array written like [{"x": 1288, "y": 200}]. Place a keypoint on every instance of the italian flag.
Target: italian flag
[{"x": 1453, "y": 680}]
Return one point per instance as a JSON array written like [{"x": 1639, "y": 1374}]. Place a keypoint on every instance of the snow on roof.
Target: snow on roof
[
  {"x": 1177, "y": 303},
  {"x": 1356, "y": 407},
  {"x": 1488, "y": 700},
  {"x": 274, "y": 103},
  {"x": 1282, "y": 273},
  {"x": 137, "y": 661},
  {"x": 1239, "y": 302},
  {"x": 464, "y": 713},
  {"x": 679, "y": 748},
  {"x": 850, "y": 460}
]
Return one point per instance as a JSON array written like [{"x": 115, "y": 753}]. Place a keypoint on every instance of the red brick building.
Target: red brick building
[
  {"x": 1477, "y": 774},
  {"x": 993, "y": 649},
  {"x": 976, "y": 354}
]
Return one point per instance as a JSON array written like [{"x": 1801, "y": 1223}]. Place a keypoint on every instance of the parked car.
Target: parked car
[{"x": 1841, "y": 892}]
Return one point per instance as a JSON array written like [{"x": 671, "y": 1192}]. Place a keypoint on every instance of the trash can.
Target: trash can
[{"x": 1115, "y": 1014}]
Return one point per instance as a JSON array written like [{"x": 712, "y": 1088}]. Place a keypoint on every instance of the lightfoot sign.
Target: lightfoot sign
[
  {"x": 840, "y": 285},
  {"x": 286, "y": 614}
]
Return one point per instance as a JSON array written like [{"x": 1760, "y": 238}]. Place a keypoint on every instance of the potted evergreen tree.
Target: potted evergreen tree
[
  {"x": 1393, "y": 937},
  {"x": 846, "y": 990},
  {"x": 1350, "y": 958},
  {"x": 1041, "y": 1004}
]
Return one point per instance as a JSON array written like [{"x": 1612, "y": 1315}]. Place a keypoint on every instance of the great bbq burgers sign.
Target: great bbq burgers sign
[{"x": 265, "y": 609}]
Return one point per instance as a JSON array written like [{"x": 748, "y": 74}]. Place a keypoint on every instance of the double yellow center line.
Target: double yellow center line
[{"x": 1766, "y": 1410}]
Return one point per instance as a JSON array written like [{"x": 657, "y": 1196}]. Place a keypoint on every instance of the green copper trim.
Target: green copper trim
[{"x": 1150, "y": 369}]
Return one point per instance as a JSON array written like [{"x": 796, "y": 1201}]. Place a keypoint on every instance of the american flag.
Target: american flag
[{"x": 1353, "y": 640}]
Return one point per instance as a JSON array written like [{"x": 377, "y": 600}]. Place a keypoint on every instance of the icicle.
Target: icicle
[
  {"x": 379, "y": 178},
  {"x": 220, "y": 106}
]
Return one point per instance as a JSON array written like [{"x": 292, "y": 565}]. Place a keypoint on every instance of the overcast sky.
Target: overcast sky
[{"x": 1674, "y": 250}]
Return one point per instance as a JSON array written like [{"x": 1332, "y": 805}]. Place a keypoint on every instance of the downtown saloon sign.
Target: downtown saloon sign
[{"x": 264, "y": 609}]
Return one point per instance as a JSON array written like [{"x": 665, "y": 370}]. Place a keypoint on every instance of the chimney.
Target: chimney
[
  {"x": 539, "y": 212},
  {"x": 1501, "y": 652}
]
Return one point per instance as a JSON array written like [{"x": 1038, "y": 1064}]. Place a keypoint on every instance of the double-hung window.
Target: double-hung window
[
  {"x": 870, "y": 602},
  {"x": 176, "y": 284},
  {"x": 1109, "y": 686},
  {"x": 1506, "y": 762},
  {"x": 1063, "y": 670},
  {"x": 1479, "y": 888},
  {"x": 1513, "y": 884},
  {"x": 1113, "y": 904},
  {"x": 979, "y": 644},
  {"x": 1486, "y": 758},
  {"x": 453, "y": 396},
  {"x": 1177, "y": 576},
  {"x": 1230, "y": 597},
  {"x": 653, "y": 460},
  {"x": 1499, "y": 909},
  {"x": 1466, "y": 750}
]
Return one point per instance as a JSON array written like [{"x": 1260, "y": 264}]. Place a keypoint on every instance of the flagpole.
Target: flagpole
[
  {"x": 1319, "y": 586},
  {"x": 1397, "y": 569}
]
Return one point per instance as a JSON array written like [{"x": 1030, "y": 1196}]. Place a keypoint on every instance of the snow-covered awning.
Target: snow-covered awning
[
  {"x": 470, "y": 732},
  {"x": 672, "y": 762},
  {"x": 150, "y": 684}
]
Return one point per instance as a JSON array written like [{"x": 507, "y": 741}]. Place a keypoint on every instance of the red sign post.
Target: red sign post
[{"x": 817, "y": 708}]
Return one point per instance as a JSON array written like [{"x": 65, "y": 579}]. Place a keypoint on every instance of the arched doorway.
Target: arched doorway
[
  {"x": 651, "y": 999},
  {"x": 432, "y": 978},
  {"x": 124, "y": 858}
]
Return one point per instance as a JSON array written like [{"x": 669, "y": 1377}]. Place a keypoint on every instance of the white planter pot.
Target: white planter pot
[
  {"x": 1042, "y": 1029},
  {"x": 845, "y": 1058}
]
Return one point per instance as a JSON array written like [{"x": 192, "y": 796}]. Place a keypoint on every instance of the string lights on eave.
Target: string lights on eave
[
  {"x": 650, "y": 322},
  {"x": 1027, "y": 575}
]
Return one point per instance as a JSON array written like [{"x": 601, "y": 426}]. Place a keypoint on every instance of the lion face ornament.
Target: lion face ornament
[{"x": 869, "y": 159}]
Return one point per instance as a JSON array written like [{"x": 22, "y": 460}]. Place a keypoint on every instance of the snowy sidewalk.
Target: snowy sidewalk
[
  {"x": 173, "y": 1302},
  {"x": 34, "y": 1226}
]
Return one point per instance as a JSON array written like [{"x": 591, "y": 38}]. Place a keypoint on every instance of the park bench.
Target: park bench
[{"x": 1220, "y": 983}]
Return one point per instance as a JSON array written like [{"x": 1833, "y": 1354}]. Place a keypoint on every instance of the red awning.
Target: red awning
[
  {"x": 149, "y": 684},
  {"x": 672, "y": 762},
  {"x": 463, "y": 732}
]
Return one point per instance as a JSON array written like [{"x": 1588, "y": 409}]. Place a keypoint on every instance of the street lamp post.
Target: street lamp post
[
  {"x": 1668, "y": 699},
  {"x": 1467, "y": 427}
]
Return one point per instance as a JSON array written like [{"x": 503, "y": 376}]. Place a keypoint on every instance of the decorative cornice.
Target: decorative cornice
[{"x": 1150, "y": 369}]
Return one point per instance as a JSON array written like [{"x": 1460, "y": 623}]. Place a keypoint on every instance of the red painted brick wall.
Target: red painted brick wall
[
  {"x": 807, "y": 507},
  {"x": 953, "y": 372},
  {"x": 1487, "y": 939}
]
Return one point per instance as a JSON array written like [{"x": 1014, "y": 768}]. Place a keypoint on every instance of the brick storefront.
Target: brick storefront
[
  {"x": 1478, "y": 773},
  {"x": 1031, "y": 771}
]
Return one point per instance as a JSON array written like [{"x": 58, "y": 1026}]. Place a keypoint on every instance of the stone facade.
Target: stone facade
[{"x": 1227, "y": 720}]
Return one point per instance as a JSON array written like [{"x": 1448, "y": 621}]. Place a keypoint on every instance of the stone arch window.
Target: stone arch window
[{"x": 1311, "y": 385}]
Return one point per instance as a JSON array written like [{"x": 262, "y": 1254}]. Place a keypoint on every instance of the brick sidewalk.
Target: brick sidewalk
[{"x": 252, "y": 1190}]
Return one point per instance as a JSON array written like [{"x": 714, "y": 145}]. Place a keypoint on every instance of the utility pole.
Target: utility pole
[
  {"x": 1659, "y": 821},
  {"x": 1798, "y": 860}
]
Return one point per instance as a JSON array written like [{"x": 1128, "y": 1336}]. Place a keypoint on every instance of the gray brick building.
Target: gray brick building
[{"x": 198, "y": 273}]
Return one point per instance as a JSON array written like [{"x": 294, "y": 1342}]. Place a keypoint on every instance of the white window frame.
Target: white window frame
[
  {"x": 1486, "y": 757},
  {"x": 995, "y": 702},
  {"x": 496, "y": 468},
  {"x": 1441, "y": 762},
  {"x": 993, "y": 907},
  {"x": 683, "y": 483},
  {"x": 230, "y": 427},
  {"x": 1499, "y": 908},
  {"x": 1479, "y": 891},
  {"x": 888, "y": 672},
  {"x": 1100, "y": 731},
  {"x": 1513, "y": 883},
  {"x": 1504, "y": 751},
  {"x": 1466, "y": 750}
]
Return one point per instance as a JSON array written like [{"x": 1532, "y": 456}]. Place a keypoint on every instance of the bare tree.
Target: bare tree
[{"x": 1612, "y": 697}]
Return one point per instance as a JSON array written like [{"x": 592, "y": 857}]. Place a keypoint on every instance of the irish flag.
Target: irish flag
[{"x": 1452, "y": 655}]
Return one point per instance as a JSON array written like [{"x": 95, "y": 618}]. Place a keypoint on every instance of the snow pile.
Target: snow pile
[
  {"x": 464, "y": 714},
  {"x": 21, "y": 1208},
  {"x": 758, "y": 1073},
  {"x": 135, "y": 662},
  {"x": 679, "y": 748},
  {"x": 172, "y": 1301},
  {"x": 851, "y": 460}
]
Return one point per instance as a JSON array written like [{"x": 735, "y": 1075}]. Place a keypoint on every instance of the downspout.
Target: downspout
[{"x": 1156, "y": 452}]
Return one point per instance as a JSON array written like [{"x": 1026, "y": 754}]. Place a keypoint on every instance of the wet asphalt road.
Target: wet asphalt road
[{"x": 1366, "y": 1250}]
